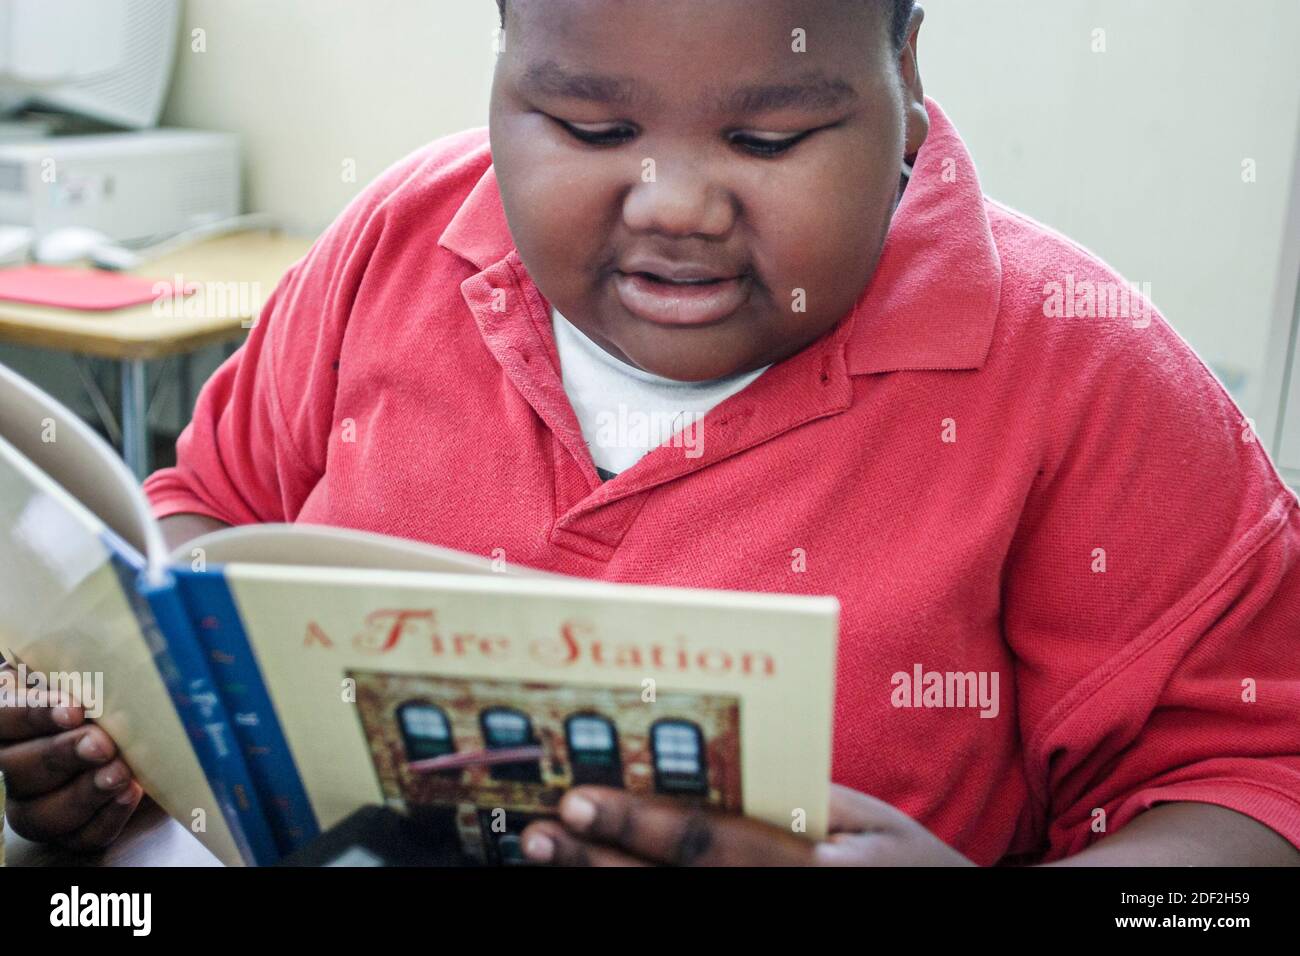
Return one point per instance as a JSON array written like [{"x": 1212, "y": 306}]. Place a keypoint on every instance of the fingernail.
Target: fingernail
[
  {"x": 91, "y": 748},
  {"x": 130, "y": 795},
  {"x": 110, "y": 778},
  {"x": 578, "y": 811},
  {"x": 540, "y": 848},
  {"x": 64, "y": 717},
  {"x": 833, "y": 853}
]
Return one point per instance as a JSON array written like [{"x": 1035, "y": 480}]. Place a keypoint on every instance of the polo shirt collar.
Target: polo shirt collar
[
  {"x": 479, "y": 232},
  {"x": 933, "y": 300}
]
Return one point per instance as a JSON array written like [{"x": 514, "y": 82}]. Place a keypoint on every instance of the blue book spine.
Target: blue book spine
[
  {"x": 179, "y": 659},
  {"x": 220, "y": 631}
]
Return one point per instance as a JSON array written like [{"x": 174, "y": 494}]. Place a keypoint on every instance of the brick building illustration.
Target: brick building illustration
[{"x": 483, "y": 758}]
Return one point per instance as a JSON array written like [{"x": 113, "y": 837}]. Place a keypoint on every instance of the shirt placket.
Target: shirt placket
[{"x": 592, "y": 517}]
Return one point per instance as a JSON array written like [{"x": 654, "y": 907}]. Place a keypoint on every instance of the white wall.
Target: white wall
[
  {"x": 1135, "y": 152},
  {"x": 311, "y": 84}
]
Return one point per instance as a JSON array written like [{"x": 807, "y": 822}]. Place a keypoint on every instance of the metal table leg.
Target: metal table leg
[
  {"x": 135, "y": 417},
  {"x": 184, "y": 373}
]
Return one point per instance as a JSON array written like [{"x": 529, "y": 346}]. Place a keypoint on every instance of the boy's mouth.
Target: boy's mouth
[{"x": 680, "y": 295}]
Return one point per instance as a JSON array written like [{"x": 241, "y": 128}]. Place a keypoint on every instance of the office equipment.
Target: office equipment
[
  {"x": 110, "y": 60},
  {"x": 119, "y": 258},
  {"x": 69, "y": 244},
  {"x": 132, "y": 186},
  {"x": 15, "y": 244}
]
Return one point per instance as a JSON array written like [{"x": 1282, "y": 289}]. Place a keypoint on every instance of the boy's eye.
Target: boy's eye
[
  {"x": 599, "y": 134},
  {"x": 765, "y": 146}
]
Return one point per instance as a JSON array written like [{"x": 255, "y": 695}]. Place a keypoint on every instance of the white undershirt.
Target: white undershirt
[{"x": 624, "y": 411}]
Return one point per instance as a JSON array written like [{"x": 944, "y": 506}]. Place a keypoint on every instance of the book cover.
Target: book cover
[{"x": 480, "y": 699}]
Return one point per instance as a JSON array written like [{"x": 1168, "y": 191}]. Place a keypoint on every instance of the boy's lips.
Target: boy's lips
[{"x": 684, "y": 302}]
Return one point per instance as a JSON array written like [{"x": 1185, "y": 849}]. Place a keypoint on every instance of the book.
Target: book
[{"x": 265, "y": 682}]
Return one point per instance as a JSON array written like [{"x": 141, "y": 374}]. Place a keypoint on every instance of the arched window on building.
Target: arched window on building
[
  {"x": 426, "y": 732},
  {"x": 677, "y": 748},
  {"x": 593, "y": 750},
  {"x": 504, "y": 728}
]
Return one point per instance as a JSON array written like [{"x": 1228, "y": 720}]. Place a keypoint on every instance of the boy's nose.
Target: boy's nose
[{"x": 679, "y": 203}]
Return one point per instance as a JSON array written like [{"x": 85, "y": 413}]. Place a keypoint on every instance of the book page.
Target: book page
[
  {"x": 65, "y": 615},
  {"x": 60, "y": 444},
  {"x": 477, "y": 700},
  {"x": 304, "y": 545}
]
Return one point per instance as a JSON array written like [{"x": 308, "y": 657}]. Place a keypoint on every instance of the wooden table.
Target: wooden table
[
  {"x": 150, "y": 838},
  {"x": 236, "y": 274}
]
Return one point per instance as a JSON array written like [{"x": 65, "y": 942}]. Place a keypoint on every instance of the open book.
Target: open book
[{"x": 264, "y": 682}]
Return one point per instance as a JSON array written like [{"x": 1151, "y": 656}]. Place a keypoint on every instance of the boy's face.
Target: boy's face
[{"x": 688, "y": 190}]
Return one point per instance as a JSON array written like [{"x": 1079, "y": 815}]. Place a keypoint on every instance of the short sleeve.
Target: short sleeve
[
  {"x": 256, "y": 445},
  {"x": 1152, "y": 604}
]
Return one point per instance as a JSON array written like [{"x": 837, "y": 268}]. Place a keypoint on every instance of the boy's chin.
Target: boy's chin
[
  {"x": 696, "y": 369},
  {"x": 683, "y": 355}
]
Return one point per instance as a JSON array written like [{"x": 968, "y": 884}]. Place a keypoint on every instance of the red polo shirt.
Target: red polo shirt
[{"x": 987, "y": 481}]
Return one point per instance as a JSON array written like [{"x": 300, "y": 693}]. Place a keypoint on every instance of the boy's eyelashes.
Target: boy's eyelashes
[
  {"x": 601, "y": 135},
  {"x": 616, "y": 134},
  {"x": 761, "y": 146}
]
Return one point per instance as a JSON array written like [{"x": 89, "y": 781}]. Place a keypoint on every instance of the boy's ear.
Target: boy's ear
[{"x": 909, "y": 71}]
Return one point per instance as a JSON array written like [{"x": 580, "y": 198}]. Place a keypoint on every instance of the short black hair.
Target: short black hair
[{"x": 902, "y": 10}]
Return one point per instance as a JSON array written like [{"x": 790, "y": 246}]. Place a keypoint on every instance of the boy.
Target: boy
[{"x": 744, "y": 215}]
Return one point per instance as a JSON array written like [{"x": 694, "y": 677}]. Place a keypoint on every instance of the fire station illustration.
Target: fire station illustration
[{"x": 478, "y": 760}]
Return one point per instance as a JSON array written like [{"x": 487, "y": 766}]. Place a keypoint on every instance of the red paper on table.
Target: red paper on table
[{"x": 90, "y": 290}]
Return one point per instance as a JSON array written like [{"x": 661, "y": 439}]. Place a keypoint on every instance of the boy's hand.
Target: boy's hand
[
  {"x": 865, "y": 831},
  {"x": 65, "y": 782},
  {"x": 599, "y": 826}
]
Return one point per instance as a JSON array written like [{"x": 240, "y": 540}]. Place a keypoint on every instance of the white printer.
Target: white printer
[{"x": 131, "y": 186}]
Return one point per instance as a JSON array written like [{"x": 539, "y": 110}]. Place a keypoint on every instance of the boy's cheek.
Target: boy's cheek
[
  {"x": 821, "y": 232},
  {"x": 557, "y": 207},
  {"x": 810, "y": 283}
]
